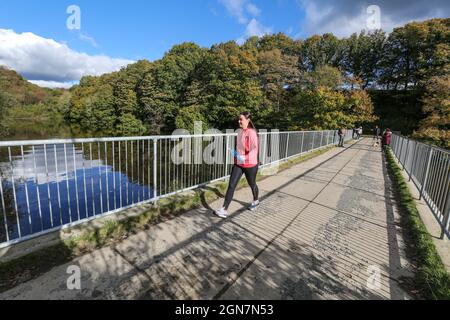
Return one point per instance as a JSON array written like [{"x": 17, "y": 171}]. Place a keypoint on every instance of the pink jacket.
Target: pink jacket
[{"x": 247, "y": 148}]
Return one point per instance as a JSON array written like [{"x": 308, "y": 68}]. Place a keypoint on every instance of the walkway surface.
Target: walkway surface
[{"x": 323, "y": 230}]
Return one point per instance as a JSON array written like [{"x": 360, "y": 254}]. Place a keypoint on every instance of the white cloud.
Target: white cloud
[
  {"x": 46, "y": 61},
  {"x": 254, "y": 28},
  {"x": 236, "y": 9},
  {"x": 239, "y": 8},
  {"x": 253, "y": 10},
  {"x": 348, "y": 16}
]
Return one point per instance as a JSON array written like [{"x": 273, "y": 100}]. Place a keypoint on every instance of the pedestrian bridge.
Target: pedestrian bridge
[{"x": 327, "y": 228}]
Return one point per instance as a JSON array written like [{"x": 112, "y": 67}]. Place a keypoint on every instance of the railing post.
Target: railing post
[
  {"x": 406, "y": 154},
  {"x": 313, "y": 140},
  {"x": 446, "y": 215},
  {"x": 303, "y": 139},
  {"x": 321, "y": 140},
  {"x": 287, "y": 146},
  {"x": 413, "y": 165},
  {"x": 425, "y": 180},
  {"x": 401, "y": 149},
  {"x": 226, "y": 157},
  {"x": 155, "y": 162},
  {"x": 265, "y": 147}
]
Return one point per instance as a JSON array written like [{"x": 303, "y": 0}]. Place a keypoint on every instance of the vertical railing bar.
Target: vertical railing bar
[
  {"x": 155, "y": 182},
  {"x": 106, "y": 176},
  {"x": 287, "y": 145},
  {"x": 161, "y": 149},
  {"x": 126, "y": 172},
  {"x": 92, "y": 180},
  {"x": 301, "y": 145},
  {"x": 37, "y": 187},
  {"x": 76, "y": 181},
  {"x": 148, "y": 168},
  {"x": 402, "y": 145},
  {"x": 5, "y": 220},
  {"x": 426, "y": 174},
  {"x": 48, "y": 186},
  {"x": 446, "y": 213},
  {"x": 67, "y": 183},
  {"x": 84, "y": 181},
  {"x": 114, "y": 173},
  {"x": 413, "y": 163},
  {"x": 166, "y": 163},
  {"x": 57, "y": 185},
  {"x": 132, "y": 172},
  {"x": 120, "y": 176},
  {"x": 441, "y": 180},
  {"x": 226, "y": 157},
  {"x": 26, "y": 190},
  {"x": 433, "y": 181},
  {"x": 405, "y": 161},
  {"x": 14, "y": 192},
  {"x": 138, "y": 169},
  {"x": 143, "y": 170},
  {"x": 444, "y": 183},
  {"x": 100, "y": 174}
]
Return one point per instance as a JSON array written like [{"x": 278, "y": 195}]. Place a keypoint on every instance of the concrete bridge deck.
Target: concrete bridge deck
[{"x": 323, "y": 229}]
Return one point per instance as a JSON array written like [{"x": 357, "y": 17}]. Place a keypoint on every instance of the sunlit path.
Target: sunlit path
[{"x": 324, "y": 229}]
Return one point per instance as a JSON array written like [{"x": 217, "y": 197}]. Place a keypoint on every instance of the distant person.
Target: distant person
[
  {"x": 245, "y": 162},
  {"x": 376, "y": 136},
  {"x": 360, "y": 132},
  {"x": 355, "y": 133},
  {"x": 387, "y": 136},
  {"x": 341, "y": 132}
]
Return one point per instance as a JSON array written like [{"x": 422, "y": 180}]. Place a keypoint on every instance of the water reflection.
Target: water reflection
[{"x": 50, "y": 186}]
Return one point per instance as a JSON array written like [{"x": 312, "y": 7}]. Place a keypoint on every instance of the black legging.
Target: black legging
[{"x": 236, "y": 174}]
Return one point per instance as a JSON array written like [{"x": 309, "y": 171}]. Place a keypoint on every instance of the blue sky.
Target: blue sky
[
  {"x": 142, "y": 29},
  {"x": 36, "y": 42}
]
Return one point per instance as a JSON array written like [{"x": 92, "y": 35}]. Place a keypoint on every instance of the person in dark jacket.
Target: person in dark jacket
[{"x": 342, "y": 132}]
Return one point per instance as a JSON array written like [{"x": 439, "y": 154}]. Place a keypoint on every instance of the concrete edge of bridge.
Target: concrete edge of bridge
[{"x": 431, "y": 224}]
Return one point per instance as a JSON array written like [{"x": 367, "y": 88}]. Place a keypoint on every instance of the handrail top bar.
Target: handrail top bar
[
  {"x": 18, "y": 143},
  {"x": 426, "y": 144}
]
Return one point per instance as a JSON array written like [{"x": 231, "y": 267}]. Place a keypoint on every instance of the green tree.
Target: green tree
[
  {"x": 436, "y": 126},
  {"x": 362, "y": 55},
  {"x": 161, "y": 90},
  {"x": 229, "y": 76},
  {"x": 415, "y": 52},
  {"x": 322, "y": 50},
  {"x": 187, "y": 117},
  {"x": 278, "y": 73},
  {"x": 128, "y": 125},
  {"x": 323, "y": 76}
]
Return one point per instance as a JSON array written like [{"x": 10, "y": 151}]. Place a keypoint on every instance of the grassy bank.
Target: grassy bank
[
  {"x": 34, "y": 264},
  {"x": 432, "y": 279}
]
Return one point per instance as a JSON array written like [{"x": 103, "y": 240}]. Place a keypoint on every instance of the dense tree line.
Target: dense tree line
[
  {"x": 21, "y": 100},
  {"x": 319, "y": 83},
  {"x": 323, "y": 82}
]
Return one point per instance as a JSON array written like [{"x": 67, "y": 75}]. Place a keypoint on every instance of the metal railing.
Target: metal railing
[
  {"x": 429, "y": 168},
  {"x": 48, "y": 185}
]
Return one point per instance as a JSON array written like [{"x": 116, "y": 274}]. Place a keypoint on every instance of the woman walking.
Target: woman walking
[{"x": 245, "y": 162}]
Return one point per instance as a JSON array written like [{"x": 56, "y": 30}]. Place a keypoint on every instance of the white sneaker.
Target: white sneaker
[
  {"x": 221, "y": 213},
  {"x": 254, "y": 205}
]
